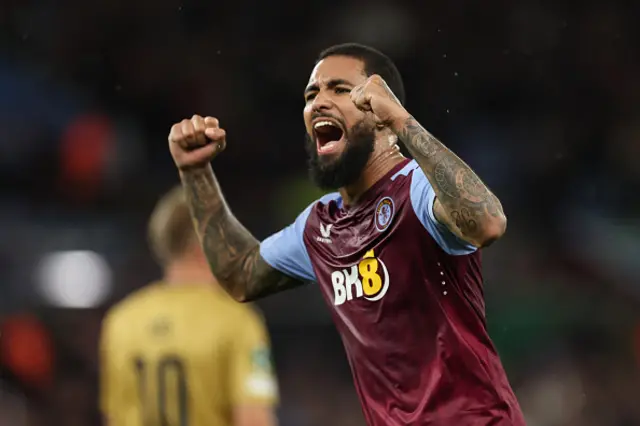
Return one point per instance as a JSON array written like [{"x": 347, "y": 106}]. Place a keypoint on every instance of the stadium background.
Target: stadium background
[{"x": 542, "y": 98}]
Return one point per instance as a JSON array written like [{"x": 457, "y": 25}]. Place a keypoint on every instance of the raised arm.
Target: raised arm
[
  {"x": 232, "y": 252},
  {"x": 463, "y": 202}
]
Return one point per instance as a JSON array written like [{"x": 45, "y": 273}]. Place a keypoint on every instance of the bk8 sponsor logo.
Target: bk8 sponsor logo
[{"x": 369, "y": 279}]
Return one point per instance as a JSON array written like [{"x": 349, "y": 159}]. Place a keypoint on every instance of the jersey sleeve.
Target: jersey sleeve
[
  {"x": 423, "y": 198},
  {"x": 286, "y": 251},
  {"x": 252, "y": 375}
]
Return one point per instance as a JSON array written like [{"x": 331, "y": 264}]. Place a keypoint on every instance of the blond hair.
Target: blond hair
[{"x": 171, "y": 230}]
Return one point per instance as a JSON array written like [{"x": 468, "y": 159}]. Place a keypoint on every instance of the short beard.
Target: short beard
[{"x": 332, "y": 173}]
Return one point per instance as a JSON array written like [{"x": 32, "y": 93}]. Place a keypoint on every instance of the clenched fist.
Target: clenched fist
[
  {"x": 373, "y": 95},
  {"x": 194, "y": 143}
]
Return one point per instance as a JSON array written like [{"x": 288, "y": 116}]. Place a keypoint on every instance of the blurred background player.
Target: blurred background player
[{"x": 180, "y": 352}]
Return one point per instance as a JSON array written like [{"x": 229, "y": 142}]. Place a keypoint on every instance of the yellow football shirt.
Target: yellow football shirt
[{"x": 183, "y": 356}]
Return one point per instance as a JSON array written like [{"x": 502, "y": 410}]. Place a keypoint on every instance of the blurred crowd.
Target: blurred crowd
[{"x": 541, "y": 98}]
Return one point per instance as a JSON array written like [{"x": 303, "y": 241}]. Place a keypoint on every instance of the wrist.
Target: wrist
[
  {"x": 195, "y": 169},
  {"x": 398, "y": 119}
]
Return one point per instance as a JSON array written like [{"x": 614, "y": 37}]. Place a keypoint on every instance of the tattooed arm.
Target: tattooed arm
[
  {"x": 464, "y": 204},
  {"x": 233, "y": 253}
]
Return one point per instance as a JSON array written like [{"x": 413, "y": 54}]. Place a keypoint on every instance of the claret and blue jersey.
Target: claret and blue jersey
[{"x": 406, "y": 296}]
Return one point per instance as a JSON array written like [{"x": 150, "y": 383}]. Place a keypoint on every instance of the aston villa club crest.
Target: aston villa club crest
[{"x": 384, "y": 213}]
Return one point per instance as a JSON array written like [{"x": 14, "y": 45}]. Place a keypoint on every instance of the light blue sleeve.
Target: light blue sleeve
[
  {"x": 422, "y": 199},
  {"x": 286, "y": 252}
]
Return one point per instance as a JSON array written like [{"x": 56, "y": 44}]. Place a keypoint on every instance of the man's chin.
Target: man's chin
[
  {"x": 329, "y": 158},
  {"x": 343, "y": 164}
]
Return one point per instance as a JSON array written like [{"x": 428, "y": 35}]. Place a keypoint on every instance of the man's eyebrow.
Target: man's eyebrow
[
  {"x": 330, "y": 84},
  {"x": 311, "y": 88}
]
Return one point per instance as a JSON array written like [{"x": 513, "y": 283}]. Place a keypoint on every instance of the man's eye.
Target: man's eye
[
  {"x": 309, "y": 97},
  {"x": 342, "y": 90}
]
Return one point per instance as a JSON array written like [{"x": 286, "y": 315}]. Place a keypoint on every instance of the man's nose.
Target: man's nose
[{"x": 321, "y": 102}]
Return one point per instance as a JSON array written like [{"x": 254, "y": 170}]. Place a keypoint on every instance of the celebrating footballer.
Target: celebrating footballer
[{"x": 395, "y": 250}]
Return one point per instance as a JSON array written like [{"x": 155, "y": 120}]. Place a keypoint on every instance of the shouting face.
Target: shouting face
[{"x": 340, "y": 138}]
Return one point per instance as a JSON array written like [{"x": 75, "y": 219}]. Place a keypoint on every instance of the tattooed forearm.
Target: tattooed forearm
[
  {"x": 470, "y": 209},
  {"x": 233, "y": 253}
]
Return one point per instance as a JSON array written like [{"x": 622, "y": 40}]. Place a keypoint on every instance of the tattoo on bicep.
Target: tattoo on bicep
[
  {"x": 461, "y": 192},
  {"x": 442, "y": 173},
  {"x": 464, "y": 219}
]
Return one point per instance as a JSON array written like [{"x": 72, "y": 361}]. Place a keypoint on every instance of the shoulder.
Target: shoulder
[
  {"x": 130, "y": 306},
  {"x": 328, "y": 198},
  {"x": 227, "y": 307},
  {"x": 286, "y": 250},
  {"x": 216, "y": 304},
  {"x": 248, "y": 313},
  {"x": 407, "y": 171},
  {"x": 290, "y": 238},
  {"x": 296, "y": 229},
  {"x": 246, "y": 320},
  {"x": 407, "y": 179},
  {"x": 423, "y": 197},
  {"x": 404, "y": 181},
  {"x": 324, "y": 202}
]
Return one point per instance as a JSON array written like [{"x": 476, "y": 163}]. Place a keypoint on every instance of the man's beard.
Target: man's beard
[{"x": 329, "y": 172}]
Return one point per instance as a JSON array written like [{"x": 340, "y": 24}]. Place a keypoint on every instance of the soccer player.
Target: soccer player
[
  {"x": 182, "y": 352},
  {"x": 395, "y": 250}
]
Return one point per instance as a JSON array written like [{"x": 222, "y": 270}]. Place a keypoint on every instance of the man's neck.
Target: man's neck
[
  {"x": 377, "y": 167},
  {"x": 187, "y": 273}
]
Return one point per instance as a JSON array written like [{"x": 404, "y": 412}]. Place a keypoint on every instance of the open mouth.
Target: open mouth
[{"x": 328, "y": 136}]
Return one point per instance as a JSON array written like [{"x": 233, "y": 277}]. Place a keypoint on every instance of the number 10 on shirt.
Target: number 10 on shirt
[{"x": 168, "y": 386}]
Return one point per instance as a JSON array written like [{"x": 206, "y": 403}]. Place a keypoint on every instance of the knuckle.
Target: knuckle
[{"x": 175, "y": 134}]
